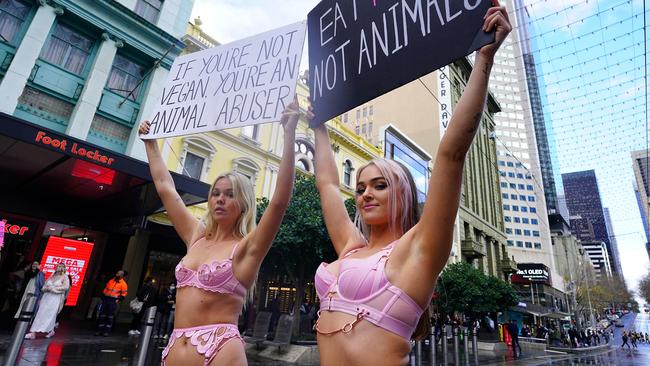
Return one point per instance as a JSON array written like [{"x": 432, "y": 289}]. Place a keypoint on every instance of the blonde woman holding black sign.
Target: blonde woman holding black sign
[
  {"x": 373, "y": 299},
  {"x": 223, "y": 257}
]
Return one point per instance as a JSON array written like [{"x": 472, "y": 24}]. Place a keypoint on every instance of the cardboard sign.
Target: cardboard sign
[
  {"x": 361, "y": 49},
  {"x": 242, "y": 83},
  {"x": 75, "y": 254}
]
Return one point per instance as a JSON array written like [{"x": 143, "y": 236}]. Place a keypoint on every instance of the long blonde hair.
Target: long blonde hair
[
  {"x": 244, "y": 194},
  {"x": 403, "y": 190}
]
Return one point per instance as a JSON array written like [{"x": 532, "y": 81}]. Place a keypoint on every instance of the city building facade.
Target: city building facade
[
  {"x": 599, "y": 257},
  {"x": 640, "y": 167},
  {"x": 76, "y": 78},
  {"x": 586, "y": 211}
]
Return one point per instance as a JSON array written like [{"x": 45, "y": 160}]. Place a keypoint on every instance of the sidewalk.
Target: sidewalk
[{"x": 75, "y": 344}]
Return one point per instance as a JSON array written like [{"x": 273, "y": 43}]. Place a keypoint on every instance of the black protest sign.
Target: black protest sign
[
  {"x": 246, "y": 82},
  {"x": 361, "y": 49}
]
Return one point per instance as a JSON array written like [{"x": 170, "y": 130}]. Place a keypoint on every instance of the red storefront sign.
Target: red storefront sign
[{"x": 75, "y": 254}]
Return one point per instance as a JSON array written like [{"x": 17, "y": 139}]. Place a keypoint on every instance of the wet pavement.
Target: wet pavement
[{"x": 75, "y": 344}]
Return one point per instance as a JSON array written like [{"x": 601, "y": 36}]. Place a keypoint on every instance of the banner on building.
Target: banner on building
[
  {"x": 75, "y": 254},
  {"x": 242, "y": 83},
  {"x": 361, "y": 49}
]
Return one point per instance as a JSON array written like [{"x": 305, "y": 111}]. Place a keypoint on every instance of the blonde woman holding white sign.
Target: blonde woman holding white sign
[
  {"x": 223, "y": 257},
  {"x": 373, "y": 299}
]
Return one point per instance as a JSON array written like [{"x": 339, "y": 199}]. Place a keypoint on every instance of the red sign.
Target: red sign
[
  {"x": 62, "y": 144},
  {"x": 75, "y": 254}
]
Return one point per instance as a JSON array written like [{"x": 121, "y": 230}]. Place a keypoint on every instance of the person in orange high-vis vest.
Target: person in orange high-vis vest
[{"x": 115, "y": 291}]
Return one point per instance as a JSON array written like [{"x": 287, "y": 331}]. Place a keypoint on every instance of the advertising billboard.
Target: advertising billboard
[{"x": 75, "y": 254}]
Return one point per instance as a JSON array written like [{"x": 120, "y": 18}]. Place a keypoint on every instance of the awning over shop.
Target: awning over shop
[{"x": 48, "y": 175}]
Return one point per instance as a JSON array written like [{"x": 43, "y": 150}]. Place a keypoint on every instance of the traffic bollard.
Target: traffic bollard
[
  {"x": 145, "y": 336},
  {"x": 444, "y": 345},
  {"x": 456, "y": 346},
  {"x": 25, "y": 317},
  {"x": 432, "y": 343},
  {"x": 466, "y": 342},
  {"x": 474, "y": 340}
]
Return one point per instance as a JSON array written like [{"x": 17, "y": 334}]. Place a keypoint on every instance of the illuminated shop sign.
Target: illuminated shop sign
[
  {"x": 75, "y": 254},
  {"x": 531, "y": 272},
  {"x": 75, "y": 148}
]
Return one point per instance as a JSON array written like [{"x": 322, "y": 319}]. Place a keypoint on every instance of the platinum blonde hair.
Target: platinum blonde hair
[
  {"x": 402, "y": 191},
  {"x": 244, "y": 196}
]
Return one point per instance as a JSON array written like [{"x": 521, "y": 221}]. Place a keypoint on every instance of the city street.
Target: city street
[{"x": 72, "y": 347}]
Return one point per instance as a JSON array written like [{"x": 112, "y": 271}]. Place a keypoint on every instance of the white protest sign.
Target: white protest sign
[{"x": 242, "y": 83}]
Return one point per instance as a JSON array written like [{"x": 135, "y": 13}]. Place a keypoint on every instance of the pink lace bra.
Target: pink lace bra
[
  {"x": 362, "y": 289},
  {"x": 217, "y": 276}
]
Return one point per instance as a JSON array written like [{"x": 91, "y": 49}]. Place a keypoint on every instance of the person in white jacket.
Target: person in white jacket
[{"x": 54, "y": 293}]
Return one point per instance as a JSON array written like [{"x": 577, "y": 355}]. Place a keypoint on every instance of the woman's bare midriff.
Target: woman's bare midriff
[
  {"x": 195, "y": 308},
  {"x": 365, "y": 345}
]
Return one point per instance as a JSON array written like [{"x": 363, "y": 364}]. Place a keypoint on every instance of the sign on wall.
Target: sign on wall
[
  {"x": 75, "y": 254},
  {"x": 246, "y": 82},
  {"x": 361, "y": 49},
  {"x": 531, "y": 272}
]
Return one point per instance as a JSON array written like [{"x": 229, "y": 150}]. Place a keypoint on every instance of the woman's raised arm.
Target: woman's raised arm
[
  {"x": 340, "y": 228},
  {"x": 260, "y": 240},
  {"x": 432, "y": 236},
  {"x": 185, "y": 224}
]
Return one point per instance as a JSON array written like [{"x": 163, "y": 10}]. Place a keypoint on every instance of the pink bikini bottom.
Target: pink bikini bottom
[{"x": 208, "y": 339}]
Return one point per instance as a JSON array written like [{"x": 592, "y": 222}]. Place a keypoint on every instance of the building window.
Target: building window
[
  {"x": 533, "y": 210},
  {"x": 531, "y": 198},
  {"x": 529, "y": 244},
  {"x": 125, "y": 77},
  {"x": 370, "y": 128},
  {"x": 370, "y": 110},
  {"x": 12, "y": 17},
  {"x": 520, "y": 186},
  {"x": 506, "y": 207},
  {"x": 520, "y": 244},
  {"x": 502, "y": 163},
  {"x": 524, "y": 220},
  {"x": 529, "y": 187},
  {"x": 148, "y": 9},
  {"x": 513, "y": 197},
  {"x": 524, "y": 209},
  {"x": 510, "y": 164},
  {"x": 507, "y": 219},
  {"x": 246, "y": 167},
  {"x": 511, "y": 243},
  {"x": 526, "y": 232},
  {"x": 511, "y": 174},
  {"x": 503, "y": 174},
  {"x": 534, "y": 221},
  {"x": 347, "y": 173},
  {"x": 365, "y": 112},
  {"x": 522, "y": 197},
  {"x": 251, "y": 132},
  {"x": 304, "y": 155},
  {"x": 193, "y": 165},
  {"x": 535, "y": 233},
  {"x": 363, "y": 128},
  {"x": 517, "y": 220},
  {"x": 515, "y": 208},
  {"x": 519, "y": 175},
  {"x": 508, "y": 230},
  {"x": 345, "y": 118},
  {"x": 358, "y": 114},
  {"x": 196, "y": 157},
  {"x": 538, "y": 245},
  {"x": 504, "y": 185},
  {"x": 504, "y": 196},
  {"x": 512, "y": 185},
  {"x": 356, "y": 130},
  {"x": 67, "y": 49},
  {"x": 517, "y": 231}
]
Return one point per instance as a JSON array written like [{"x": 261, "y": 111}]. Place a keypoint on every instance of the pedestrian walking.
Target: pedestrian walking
[
  {"x": 145, "y": 299},
  {"x": 115, "y": 291},
  {"x": 224, "y": 253},
  {"x": 514, "y": 337},
  {"x": 164, "y": 312},
  {"x": 387, "y": 263},
  {"x": 624, "y": 337},
  {"x": 54, "y": 291},
  {"x": 633, "y": 339},
  {"x": 35, "y": 282}
]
